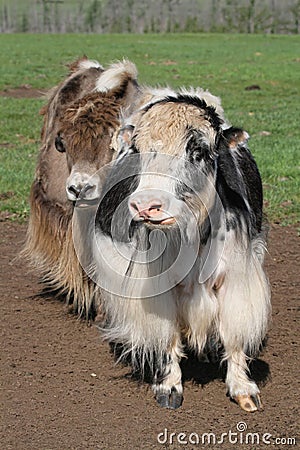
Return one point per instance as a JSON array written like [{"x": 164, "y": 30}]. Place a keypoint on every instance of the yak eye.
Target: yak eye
[
  {"x": 59, "y": 144},
  {"x": 197, "y": 148}
]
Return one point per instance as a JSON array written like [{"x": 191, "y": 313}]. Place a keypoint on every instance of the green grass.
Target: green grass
[
  {"x": 19, "y": 132},
  {"x": 224, "y": 64}
]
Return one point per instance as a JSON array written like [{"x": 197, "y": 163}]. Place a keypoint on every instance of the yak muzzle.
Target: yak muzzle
[
  {"x": 151, "y": 206},
  {"x": 82, "y": 188}
]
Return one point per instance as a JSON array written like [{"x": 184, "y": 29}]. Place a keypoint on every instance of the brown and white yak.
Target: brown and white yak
[
  {"x": 79, "y": 120},
  {"x": 178, "y": 244}
]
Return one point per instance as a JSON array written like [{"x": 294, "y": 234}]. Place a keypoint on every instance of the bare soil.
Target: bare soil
[
  {"x": 24, "y": 91},
  {"x": 60, "y": 388}
]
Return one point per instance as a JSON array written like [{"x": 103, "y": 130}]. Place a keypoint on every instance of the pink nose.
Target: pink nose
[{"x": 148, "y": 210}]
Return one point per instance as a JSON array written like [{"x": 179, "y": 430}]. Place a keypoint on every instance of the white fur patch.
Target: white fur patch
[
  {"x": 157, "y": 94},
  {"x": 89, "y": 64},
  {"x": 111, "y": 78}
]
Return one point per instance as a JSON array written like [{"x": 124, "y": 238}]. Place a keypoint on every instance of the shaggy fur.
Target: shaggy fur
[
  {"x": 85, "y": 110},
  {"x": 199, "y": 280}
]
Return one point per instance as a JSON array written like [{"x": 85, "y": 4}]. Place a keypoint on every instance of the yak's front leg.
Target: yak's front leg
[
  {"x": 244, "y": 307},
  {"x": 240, "y": 388},
  {"x": 167, "y": 384}
]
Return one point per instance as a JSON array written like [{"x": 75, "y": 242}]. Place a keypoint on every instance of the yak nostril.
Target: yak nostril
[
  {"x": 85, "y": 189},
  {"x": 80, "y": 190},
  {"x": 155, "y": 207},
  {"x": 146, "y": 210},
  {"x": 135, "y": 206},
  {"x": 74, "y": 190}
]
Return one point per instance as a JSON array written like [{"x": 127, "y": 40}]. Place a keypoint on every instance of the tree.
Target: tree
[
  {"x": 251, "y": 16},
  {"x": 46, "y": 16},
  {"x": 92, "y": 15},
  {"x": 24, "y": 23},
  {"x": 295, "y": 10}
]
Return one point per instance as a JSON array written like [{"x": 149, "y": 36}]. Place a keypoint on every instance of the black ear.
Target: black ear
[
  {"x": 232, "y": 140},
  {"x": 59, "y": 144},
  {"x": 235, "y": 137},
  {"x": 238, "y": 180}
]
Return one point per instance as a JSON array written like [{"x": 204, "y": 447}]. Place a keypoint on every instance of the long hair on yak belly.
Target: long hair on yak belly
[
  {"x": 144, "y": 367},
  {"x": 141, "y": 320},
  {"x": 53, "y": 261},
  {"x": 159, "y": 248}
]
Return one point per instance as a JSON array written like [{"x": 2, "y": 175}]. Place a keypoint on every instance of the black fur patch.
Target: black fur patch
[
  {"x": 122, "y": 181},
  {"x": 239, "y": 185},
  {"x": 197, "y": 149},
  {"x": 162, "y": 372}
]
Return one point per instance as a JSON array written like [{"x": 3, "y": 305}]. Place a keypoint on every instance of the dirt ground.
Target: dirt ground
[
  {"x": 60, "y": 389},
  {"x": 24, "y": 91}
]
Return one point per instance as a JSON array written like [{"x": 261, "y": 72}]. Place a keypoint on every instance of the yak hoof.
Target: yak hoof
[
  {"x": 249, "y": 403},
  {"x": 175, "y": 400},
  {"x": 170, "y": 401},
  {"x": 163, "y": 400}
]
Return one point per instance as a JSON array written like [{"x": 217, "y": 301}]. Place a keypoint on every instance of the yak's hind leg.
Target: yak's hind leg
[
  {"x": 244, "y": 305},
  {"x": 167, "y": 385}
]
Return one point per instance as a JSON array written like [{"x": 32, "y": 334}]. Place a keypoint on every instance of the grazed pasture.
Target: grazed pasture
[{"x": 256, "y": 76}]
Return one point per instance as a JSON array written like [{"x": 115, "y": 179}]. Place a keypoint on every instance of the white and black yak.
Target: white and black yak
[{"x": 178, "y": 244}]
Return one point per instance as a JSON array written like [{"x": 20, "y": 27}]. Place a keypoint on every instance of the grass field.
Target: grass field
[{"x": 224, "y": 64}]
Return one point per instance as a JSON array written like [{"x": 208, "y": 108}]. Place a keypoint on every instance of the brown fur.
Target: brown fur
[
  {"x": 169, "y": 131},
  {"x": 90, "y": 123},
  {"x": 87, "y": 119}
]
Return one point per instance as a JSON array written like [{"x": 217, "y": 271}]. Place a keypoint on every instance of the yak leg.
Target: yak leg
[
  {"x": 167, "y": 384},
  {"x": 244, "y": 307},
  {"x": 240, "y": 388}
]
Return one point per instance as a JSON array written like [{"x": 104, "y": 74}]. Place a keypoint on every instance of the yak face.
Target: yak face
[
  {"x": 85, "y": 136},
  {"x": 176, "y": 139},
  {"x": 177, "y": 167},
  {"x": 164, "y": 175},
  {"x": 178, "y": 184},
  {"x": 86, "y": 126}
]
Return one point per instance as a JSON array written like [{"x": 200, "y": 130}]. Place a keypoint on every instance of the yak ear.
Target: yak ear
[
  {"x": 235, "y": 137},
  {"x": 229, "y": 173},
  {"x": 238, "y": 178},
  {"x": 75, "y": 65},
  {"x": 116, "y": 79}
]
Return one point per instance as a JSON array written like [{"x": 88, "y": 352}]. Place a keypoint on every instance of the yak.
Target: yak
[
  {"x": 80, "y": 118},
  {"x": 177, "y": 244}
]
